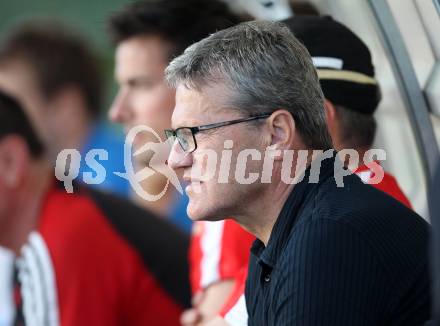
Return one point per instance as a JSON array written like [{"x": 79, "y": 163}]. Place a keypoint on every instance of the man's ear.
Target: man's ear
[
  {"x": 283, "y": 131},
  {"x": 330, "y": 112},
  {"x": 15, "y": 160},
  {"x": 332, "y": 119}
]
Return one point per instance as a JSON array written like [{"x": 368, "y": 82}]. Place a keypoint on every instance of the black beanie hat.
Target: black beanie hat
[{"x": 342, "y": 60}]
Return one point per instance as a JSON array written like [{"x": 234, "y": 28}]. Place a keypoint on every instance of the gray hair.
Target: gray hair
[{"x": 265, "y": 68}]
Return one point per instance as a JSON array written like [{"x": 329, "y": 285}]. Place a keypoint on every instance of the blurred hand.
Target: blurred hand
[
  {"x": 207, "y": 304},
  {"x": 191, "y": 317}
]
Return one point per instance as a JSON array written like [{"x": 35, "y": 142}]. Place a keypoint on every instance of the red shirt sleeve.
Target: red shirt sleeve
[{"x": 219, "y": 250}]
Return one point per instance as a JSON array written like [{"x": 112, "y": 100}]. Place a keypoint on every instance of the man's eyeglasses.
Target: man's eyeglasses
[{"x": 186, "y": 135}]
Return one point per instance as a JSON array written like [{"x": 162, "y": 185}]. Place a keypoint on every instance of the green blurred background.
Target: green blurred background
[{"x": 86, "y": 17}]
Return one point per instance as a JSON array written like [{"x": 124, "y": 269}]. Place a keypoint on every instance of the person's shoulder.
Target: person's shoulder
[
  {"x": 378, "y": 217},
  {"x": 73, "y": 223},
  {"x": 161, "y": 245},
  {"x": 138, "y": 225},
  {"x": 68, "y": 213},
  {"x": 360, "y": 216},
  {"x": 361, "y": 204},
  {"x": 88, "y": 214},
  {"x": 324, "y": 242},
  {"x": 80, "y": 241},
  {"x": 101, "y": 231}
]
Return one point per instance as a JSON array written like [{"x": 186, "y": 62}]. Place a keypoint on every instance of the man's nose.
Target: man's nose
[
  {"x": 119, "y": 111},
  {"x": 177, "y": 158}
]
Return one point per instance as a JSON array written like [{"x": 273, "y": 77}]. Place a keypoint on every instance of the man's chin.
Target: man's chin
[
  {"x": 193, "y": 214},
  {"x": 198, "y": 214}
]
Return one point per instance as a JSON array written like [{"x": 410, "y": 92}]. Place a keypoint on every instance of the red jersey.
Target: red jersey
[
  {"x": 96, "y": 259},
  {"x": 219, "y": 250},
  {"x": 388, "y": 184}
]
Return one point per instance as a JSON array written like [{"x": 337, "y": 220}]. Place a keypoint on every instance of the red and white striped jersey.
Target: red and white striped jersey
[{"x": 218, "y": 251}]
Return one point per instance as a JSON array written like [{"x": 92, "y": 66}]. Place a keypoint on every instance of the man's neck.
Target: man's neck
[
  {"x": 361, "y": 152},
  {"x": 25, "y": 210},
  {"x": 261, "y": 225},
  {"x": 265, "y": 211}
]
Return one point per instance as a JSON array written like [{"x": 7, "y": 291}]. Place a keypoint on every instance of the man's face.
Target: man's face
[
  {"x": 143, "y": 97},
  {"x": 211, "y": 199}
]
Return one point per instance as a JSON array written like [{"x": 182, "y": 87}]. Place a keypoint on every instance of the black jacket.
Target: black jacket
[{"x": 340, "y": 256}]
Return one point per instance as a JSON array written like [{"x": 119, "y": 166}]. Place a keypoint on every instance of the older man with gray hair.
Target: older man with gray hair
[{"x": 248, "y": 98}]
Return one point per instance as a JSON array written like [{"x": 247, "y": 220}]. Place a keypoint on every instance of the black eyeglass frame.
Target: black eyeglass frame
[{"x": 194, "y": 130}]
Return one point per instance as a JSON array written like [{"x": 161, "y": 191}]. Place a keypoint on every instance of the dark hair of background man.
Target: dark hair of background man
[
  {"x": 180, "y": 23},
  {"x": 46, "y": 47}
]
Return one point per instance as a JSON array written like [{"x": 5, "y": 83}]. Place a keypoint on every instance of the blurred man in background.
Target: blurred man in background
[
  {"x": 147, "y": 36},
  {"x": 86, "y": 258},
  {"x": 59, "y": 81},
  {"x": 58, "y": 78},
  {"x": 346, "y": 74}
]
